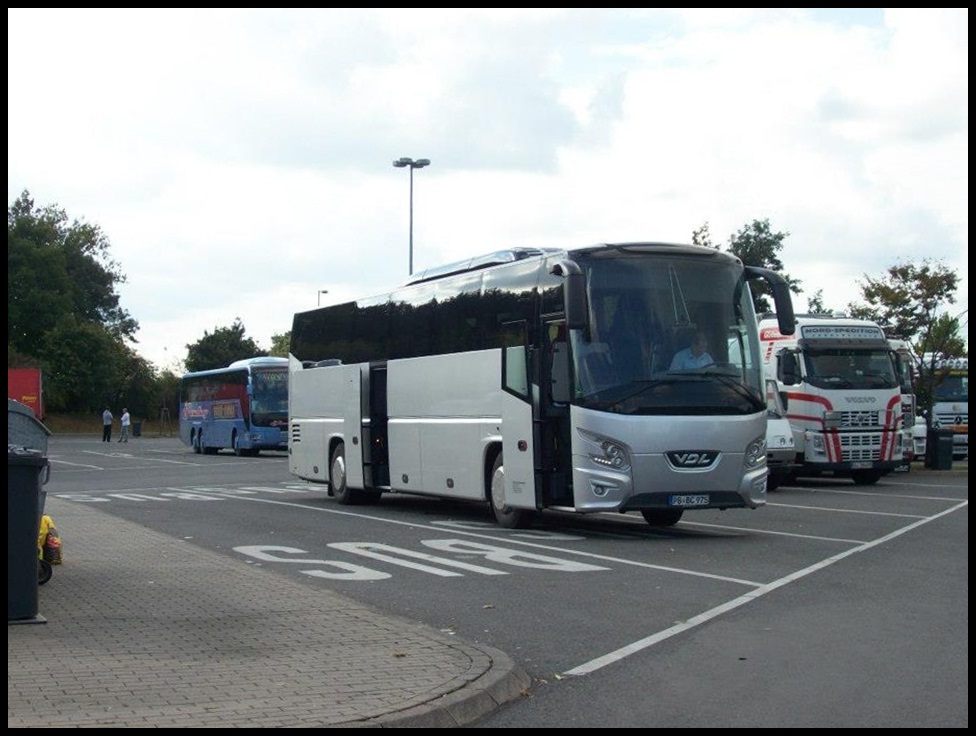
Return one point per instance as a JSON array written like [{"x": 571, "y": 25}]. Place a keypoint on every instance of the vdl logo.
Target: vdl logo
[{"x": 692, "y": 458}]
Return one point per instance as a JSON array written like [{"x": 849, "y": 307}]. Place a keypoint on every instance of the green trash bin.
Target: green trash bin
[
  {"x": 137, "y": 428},
  {"x": 939, "y": 449},
  {"x": 27, "y": 471}
]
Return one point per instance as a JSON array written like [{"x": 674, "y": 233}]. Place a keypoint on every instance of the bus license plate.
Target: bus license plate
[
  {"x": 687, "y": 500},
  {"x": 860, "y": 466}
]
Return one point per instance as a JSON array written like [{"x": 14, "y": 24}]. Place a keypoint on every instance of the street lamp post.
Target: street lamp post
[
  {"x": 420, "y": 163},
  {"x": 321, "y": 292}
]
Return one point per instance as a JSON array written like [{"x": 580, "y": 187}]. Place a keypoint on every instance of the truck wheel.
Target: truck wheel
[
  {"x": 506, "y": 516},
  {"x": 865, "y": 477}
]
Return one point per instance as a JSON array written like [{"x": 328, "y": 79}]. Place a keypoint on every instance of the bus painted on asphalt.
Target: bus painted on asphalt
[
  {"x": 243, "y": 407},
  {"x": 534, "y": 379}
]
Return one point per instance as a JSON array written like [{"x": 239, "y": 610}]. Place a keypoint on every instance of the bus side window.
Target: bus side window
[{"x": 515, "y": 368}]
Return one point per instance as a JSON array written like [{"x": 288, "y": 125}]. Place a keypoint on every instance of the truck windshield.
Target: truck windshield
[
  {"x": 954, "y": 387},
  {"x": 850, "y": 368}
]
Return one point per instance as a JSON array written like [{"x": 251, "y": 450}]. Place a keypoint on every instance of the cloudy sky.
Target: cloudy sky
[{"x": 240, "y": 161}]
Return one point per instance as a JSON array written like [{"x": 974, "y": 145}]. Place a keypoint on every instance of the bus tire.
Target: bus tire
[
  {"x": 338, "y": 480},
  {"x": 506, "y": 516},
  {"x": 235, "y": 442},
  {"x": 662, "y": 517}
]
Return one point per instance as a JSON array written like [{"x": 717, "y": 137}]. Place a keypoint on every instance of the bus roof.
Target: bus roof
[
  {"x": 501, "y": 257},
  {"x": 265, "y": 361}
]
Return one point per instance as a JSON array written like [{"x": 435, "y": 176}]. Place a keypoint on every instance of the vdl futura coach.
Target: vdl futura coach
[
  {"x": 535, "y": 379},
  {"x": 243, "y": 407}
]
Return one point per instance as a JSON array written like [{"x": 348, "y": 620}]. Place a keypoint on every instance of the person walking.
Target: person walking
[
  {"x": 125, "y": 421},
  {"x": 107, "y": 425}
]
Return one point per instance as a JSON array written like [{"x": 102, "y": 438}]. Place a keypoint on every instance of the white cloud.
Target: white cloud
[{"x": 240, "y": 160}]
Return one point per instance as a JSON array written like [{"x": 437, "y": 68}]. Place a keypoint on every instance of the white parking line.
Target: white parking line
[{"x": 637, "y": 646}]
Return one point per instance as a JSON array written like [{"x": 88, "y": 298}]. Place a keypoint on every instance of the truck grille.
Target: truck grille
[
  {"x": 861, "y": 446},
  {"x": 951, "y": 419},
  {"x": 854, "y": 419}
]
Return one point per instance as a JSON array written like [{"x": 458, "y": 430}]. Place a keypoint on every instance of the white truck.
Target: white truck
[
  {"x": 907, "y": 366},
  {"x": 950, "y": 400},
  {"x": 839, "y": 382}
]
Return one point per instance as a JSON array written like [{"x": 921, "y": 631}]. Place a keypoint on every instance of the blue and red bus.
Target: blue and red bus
[{"x": 243, "y": 407}]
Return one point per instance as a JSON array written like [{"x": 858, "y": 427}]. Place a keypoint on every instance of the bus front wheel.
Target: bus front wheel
[
  {"x": 506, "y": 516},
  {"x": 337, "y": 475},
  {"x": 662, "y": 517},
  {"x": 339, "y": 481}
]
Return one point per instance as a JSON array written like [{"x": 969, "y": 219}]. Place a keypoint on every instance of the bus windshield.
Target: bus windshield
[
  {"x": 269, "y": 397},
  {"x": 667, "y": 336}
]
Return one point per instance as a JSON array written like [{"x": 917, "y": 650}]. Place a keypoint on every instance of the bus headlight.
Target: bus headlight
[
  {"x": 756, "y": 452},
  {"x": 605, "y": 451}
]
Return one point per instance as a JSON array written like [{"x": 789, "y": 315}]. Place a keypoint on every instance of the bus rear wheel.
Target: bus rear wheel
[
  {"x": 505, "y": 515},
  {"x": 662, "y": 517}
]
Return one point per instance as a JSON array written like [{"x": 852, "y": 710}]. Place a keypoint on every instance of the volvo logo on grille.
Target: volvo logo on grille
[{"x": 692, "y": 458}]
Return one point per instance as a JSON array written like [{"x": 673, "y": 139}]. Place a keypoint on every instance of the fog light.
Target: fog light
[{"x": 599, "y": 489}]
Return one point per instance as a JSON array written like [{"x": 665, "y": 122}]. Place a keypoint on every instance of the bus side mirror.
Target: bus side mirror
[
  {"x": 574, "y": 293},
  {"x": 781, "y": 296}
]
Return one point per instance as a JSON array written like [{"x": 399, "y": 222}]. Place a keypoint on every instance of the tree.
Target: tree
[
  {"x": 82, "y": 366},
  {"x": 280, "y": 344},
  {"x": 168, "y": 396},
  {"x": 221, "y": 348},
  {"x": 63, "y": 312},
  {"x": 702, "y": 236},
  {"x": 754, "y": 244},
  {"x": 139, "y": 386},
  {"x": 910, "y": 301},
  {"x": 815, "y": 304},
  {"x": 757, "y": 245},
  {"x": 55, "y": 269}
]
